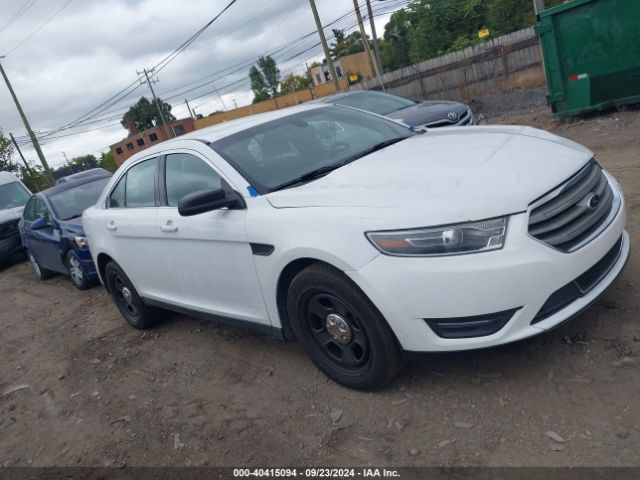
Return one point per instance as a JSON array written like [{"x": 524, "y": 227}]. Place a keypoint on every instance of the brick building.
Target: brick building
[{"x": 138, "y": 141}]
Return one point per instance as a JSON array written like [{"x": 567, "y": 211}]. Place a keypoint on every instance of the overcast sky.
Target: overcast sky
[{"x": 91, "y": 49}]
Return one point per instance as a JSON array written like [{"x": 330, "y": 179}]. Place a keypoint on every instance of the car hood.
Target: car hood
[
  {"x": 10, "y": 214},
  {"x": 446, "y": 176},
  {"x": 427, "y": 112}
]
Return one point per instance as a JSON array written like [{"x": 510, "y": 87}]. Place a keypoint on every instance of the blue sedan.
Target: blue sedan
[{"x": 52, "y": 233}]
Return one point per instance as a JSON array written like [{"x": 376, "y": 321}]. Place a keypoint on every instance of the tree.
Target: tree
[
  {"x": 346, "y": 44},
  {"x": 258, "y": 85},
  {"x": 6, "y": 155},
  {"x": 265, "y": 79},
  {"x": 293, "y": 83},
  {"x": 144, "y": 115},
  {"x": 107, "y": 162}
]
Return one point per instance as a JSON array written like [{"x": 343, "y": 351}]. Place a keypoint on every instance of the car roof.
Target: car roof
[
  {"x": 338, "y": 96},
  {"x": 72, "y": 183},
  {"x": 86, "y": 173},
  {"x": 225, "y": 129},
  {"x": 7, "y": 177}
]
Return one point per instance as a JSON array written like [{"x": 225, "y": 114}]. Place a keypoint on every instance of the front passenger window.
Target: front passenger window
[
  {"x": 187, "y": 174},
  {"x": 141, "y": 184}
]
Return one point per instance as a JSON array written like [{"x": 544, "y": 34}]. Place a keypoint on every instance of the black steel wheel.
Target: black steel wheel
[
  {"x": 127, "y": 300},
  {"x": 341, "y": 330}
]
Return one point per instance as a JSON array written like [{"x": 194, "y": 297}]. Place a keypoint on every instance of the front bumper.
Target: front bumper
[
  {"x": 521, "y": 276},
  {"x": 84, "y": 256}
]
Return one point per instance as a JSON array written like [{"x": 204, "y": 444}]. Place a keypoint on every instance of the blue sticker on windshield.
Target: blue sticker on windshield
[{"x": 252, "y": 191}]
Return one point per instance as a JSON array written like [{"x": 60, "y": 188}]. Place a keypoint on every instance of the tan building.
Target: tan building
[
  {"x": 139, "y": 141},
  {"x": 357, "y": 63}
]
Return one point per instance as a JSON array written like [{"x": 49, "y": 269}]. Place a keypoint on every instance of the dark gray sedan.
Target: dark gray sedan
[{"x": 428, "y": 114}]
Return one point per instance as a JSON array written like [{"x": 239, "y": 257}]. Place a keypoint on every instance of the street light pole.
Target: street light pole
[
  {"x": 34, "y": 140},
  {"x": 325, "y": 47}
]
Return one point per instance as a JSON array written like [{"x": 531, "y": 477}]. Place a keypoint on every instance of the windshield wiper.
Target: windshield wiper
[
  {"x": 313, "y": 174},
  {"x": 322, "y": 171}
]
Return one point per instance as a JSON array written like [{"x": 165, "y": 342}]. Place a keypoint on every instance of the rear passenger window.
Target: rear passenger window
[{"x": 187, "y": 174}]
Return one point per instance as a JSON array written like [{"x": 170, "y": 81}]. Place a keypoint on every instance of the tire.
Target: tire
[
  {"x": 127, "y": 300},
  {"x": 342, "y": 331},
  {"x": 76, "y": 272},
  {"x": 41, "y": 273}
]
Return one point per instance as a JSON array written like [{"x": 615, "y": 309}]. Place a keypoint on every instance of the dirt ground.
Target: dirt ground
[{"x": 194, "y": 393}]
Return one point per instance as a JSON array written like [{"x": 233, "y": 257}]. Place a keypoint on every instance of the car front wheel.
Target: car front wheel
[
  {"x": 341, "y": 330},
  {"x": 77, "y": 273},
  {"x": 127, "y": 300}
]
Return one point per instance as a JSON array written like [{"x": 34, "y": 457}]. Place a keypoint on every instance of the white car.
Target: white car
[{"x": 363, "y": 240}]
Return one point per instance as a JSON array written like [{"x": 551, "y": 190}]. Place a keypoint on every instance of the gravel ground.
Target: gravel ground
[
  {"x": 80, "y": 387},
  {"x": 491, "y": 107}
]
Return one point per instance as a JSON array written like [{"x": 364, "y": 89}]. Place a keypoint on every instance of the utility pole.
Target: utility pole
[
  {"x": 538, "y": 6},
  {"x": 376, "y": 46},
  {"x": 325, "y": 47},
  {"x": 374, "y": 65},
  {"x": 215, "y": 89},
  {"x": 32, "y": 135},
  {"x": 155, "y": 100},
  {"x": 26, "y": 165},
  {"x": 189, "y": 108}
]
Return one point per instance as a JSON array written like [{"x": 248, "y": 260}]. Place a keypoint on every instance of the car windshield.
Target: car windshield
[
  {"x": 71, "y": 203},
  {"x": 13, "y": 195},
  {"x": 292, "y": 149},
  {"x": 380, "y": 103}
]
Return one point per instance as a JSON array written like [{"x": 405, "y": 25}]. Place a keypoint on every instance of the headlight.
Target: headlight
[
  {"x": 446, "y": 240},
  {"x": 81, "y": 242}
]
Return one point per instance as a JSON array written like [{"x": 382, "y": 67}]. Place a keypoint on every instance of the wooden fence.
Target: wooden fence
[{"x": 460, "y": 75}]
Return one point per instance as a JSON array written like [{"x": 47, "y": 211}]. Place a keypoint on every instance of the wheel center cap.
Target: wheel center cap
[
  {"x": 338, "y": 328},
  {"x": 126, "y": 294}
]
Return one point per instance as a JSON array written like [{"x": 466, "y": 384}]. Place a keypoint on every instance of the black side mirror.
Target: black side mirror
[{"x": 208, "y": 200}]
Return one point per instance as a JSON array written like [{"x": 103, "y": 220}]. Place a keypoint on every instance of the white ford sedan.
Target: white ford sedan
[{"x": 360, "y": 238}]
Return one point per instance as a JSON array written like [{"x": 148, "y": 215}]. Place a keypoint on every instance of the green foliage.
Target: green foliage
[
  {"x": 429, "y": 28},
  {"x": 35, "y": 180},
  {"x": 293, "y": 83},
  {"x": 107, "y": 162},
  {"x": 7, "y": 163},
  {"x": 265, "y": 79},
  {"x": 346, "y": 45},
  {"x": 145, "y": 115}
]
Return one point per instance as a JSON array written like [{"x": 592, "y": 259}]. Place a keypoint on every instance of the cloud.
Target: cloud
[{"x": 93, "y": 49}]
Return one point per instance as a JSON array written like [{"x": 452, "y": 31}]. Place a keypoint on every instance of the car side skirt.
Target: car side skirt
[{"x": 270, "y": 330}]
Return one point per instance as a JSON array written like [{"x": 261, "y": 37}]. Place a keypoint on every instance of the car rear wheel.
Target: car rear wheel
[
  {"x": 341, "y": 330},
  {"x": 41, "y": 273},
  {"x": 127, "y": 300},
  {"x": 76, "y": 272}
]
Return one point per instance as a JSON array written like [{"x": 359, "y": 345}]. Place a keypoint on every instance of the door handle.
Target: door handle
[
  {"x": 111, "y": 226},
  {"x": 169, "y": 227}
]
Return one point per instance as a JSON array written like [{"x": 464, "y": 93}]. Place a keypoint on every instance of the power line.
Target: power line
[
  {"x": 46, "y": 22},
  {"x": 25, "y": 6},
  {"x": 90, "y": 117}
]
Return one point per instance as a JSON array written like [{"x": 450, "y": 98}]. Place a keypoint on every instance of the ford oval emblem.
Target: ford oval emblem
[
  {"x": 453, "y": 116},
  {"x": 593, "y": 200}
]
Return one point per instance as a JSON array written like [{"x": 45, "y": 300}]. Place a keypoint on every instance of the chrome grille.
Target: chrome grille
[
  {"x": 574, "y": 211},
  {"x": 464, "y": 118}
]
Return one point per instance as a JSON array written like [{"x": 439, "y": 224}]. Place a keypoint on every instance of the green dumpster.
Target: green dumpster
[{"x": 591, "y": 52}]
